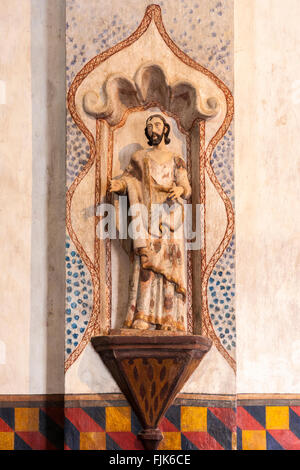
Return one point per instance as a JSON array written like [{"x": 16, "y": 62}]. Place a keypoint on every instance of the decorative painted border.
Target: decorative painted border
[
  {"x": 152, "y": 12},
  {"x": 288, "y": 399},
  {"x": 64, "y": 400}
]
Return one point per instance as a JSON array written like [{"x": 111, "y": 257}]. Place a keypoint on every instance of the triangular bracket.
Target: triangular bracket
[{"x": 151, "y": 371}]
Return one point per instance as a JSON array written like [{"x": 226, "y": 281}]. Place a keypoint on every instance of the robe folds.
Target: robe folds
[{"x": 157, "y": 285}]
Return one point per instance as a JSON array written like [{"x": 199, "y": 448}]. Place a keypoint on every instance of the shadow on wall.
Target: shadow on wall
[{"x": 48, "y": 198}]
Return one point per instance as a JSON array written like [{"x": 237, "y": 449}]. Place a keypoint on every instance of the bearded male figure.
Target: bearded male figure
[{"x": 157, "y": 287}]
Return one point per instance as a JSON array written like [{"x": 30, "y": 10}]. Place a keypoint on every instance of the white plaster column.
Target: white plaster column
[
  {"x": 267, "y": 179},
  {"x": 15, "y": 195}
]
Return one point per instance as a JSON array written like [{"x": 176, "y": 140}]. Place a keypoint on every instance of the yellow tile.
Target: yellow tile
[
  {"x": 118, "y": 419},
  {"x": 193, "y": 418},
  {"x": 254, "y": 440},
  {"x": 171, "y": 441},
  {"x": 277, "y": 417},
  {"x": 92, "y": 441},
  {"x": 26, "y": 419},
  {"x": 6, "y": 441}
]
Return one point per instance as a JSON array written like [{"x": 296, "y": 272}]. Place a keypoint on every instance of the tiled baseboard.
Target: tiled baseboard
[{"x": 106, "y": 422}]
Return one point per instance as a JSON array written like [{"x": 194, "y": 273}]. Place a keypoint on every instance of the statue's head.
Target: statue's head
[{"x": 156, "y": 129}]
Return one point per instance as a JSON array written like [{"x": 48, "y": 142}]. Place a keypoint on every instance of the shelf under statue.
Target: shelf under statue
[{"x": 147, "y": 129}]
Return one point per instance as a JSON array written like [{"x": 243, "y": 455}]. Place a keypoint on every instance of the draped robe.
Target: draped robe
[{"x": 157, "y": 285}]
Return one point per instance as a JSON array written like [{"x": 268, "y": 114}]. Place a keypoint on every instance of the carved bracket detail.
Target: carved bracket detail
[
  {"x": 151, "y": 371},
  {"x": 150, "y": 85}
]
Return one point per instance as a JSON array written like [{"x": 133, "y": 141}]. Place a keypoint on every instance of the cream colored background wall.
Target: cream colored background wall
[
  {"x": 32, "y": 196},
  {"x": 267, "y": 198},
  {"x": 267, "y": 178},
  {"x": 15, "y": 195}
]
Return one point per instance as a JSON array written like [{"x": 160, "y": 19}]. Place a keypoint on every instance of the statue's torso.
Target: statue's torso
[{"x": 162, "y": 173}]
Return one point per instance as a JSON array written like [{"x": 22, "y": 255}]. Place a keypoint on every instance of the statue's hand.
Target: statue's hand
[
  {"x": 115, "y": 185},
  {"x": 175, "y": 192}
]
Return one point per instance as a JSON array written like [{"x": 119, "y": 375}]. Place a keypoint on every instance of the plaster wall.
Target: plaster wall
[
  {"x": 15, "y": 195},
  {"x": 267, "y": 71},
  {"x": 267, "y": 108}
]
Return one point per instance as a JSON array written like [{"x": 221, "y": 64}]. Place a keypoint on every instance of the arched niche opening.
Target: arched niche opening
[
  {"x": 117, "y": 138},
  {"x": 133, "y": 77}
]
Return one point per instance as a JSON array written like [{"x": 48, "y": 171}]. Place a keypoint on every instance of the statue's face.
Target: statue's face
[{"x": 155, "y": 129}]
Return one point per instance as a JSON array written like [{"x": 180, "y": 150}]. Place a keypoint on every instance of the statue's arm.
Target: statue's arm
[
  {"x": 118, "y": 185},
  {"x": 181, "y": 177},
  {"x": 132, "y": 171}
]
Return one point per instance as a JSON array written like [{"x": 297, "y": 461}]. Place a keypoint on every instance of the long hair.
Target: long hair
[{"x": 166, "y": 126}]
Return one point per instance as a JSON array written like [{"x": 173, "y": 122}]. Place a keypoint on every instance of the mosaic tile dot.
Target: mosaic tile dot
[{"x": 76, "y": 310}]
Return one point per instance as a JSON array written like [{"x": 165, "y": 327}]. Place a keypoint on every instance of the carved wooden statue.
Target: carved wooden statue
[{"x": 157, "y": 181}]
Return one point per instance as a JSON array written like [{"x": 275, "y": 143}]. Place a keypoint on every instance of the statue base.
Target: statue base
[
  {"x": 133, "y": 332},
  {"x": 150, "y": 371}
]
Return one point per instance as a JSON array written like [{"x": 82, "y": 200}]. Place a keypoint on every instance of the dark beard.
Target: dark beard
[{"x": 155, "y": 139}]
